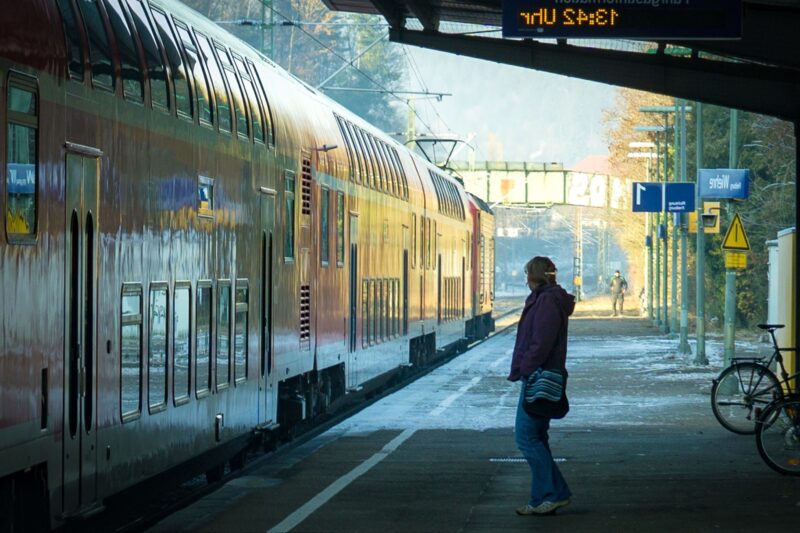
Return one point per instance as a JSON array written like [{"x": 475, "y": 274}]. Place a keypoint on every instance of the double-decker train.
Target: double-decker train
[{"x": 198, "y": 248}]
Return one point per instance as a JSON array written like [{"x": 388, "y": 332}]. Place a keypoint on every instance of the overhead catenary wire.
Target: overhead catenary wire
[{"x": 364, "y": 74}]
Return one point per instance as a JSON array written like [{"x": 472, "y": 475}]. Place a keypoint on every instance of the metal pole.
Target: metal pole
[
  {"x": 665, "y": 271},
  {"x": 657, "y": 271},
  {"x": 683, "y": 345},
  {"x": 673, "y": 319},
  {"x": 730, "y": 273},
  {"x": 700, "y": 257},
  {"x": 650, "y": 267},
  {"x": 794, "y": 340},
  {"x": 262, "y": 28},
  {"x": 649, "y": 258}
]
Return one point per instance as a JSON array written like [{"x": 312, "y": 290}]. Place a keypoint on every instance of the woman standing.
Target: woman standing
[{"x": 541, "y": 343}]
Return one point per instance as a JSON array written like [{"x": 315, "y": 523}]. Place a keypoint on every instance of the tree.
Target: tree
[{"x": 629, "y": 228}]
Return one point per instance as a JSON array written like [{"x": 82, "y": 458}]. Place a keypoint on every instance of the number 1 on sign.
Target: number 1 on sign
[{"x": 639, "y": 190}]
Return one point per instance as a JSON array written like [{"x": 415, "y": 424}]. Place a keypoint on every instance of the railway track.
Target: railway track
[{"x": 138, "y": 509}]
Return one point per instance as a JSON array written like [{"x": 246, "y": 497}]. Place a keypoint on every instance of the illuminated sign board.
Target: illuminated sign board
[{"x": 629, "y": 19}]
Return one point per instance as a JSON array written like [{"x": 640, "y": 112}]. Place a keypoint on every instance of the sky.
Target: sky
[{"x": 535, "y": 116}]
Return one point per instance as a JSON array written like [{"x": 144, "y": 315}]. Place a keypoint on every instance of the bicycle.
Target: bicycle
[
  {"x": 778, "y": 435},
  {"x": 741, "y": 392}
]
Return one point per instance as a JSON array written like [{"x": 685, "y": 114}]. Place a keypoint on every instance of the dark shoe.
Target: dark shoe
[{"x": 544, "y": 508}]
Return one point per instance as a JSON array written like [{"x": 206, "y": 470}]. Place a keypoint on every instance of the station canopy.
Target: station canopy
[{"x": 759, "y": 72}]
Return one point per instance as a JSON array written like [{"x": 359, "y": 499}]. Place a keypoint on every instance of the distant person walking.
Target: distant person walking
[
  {"x": 618, "y": 287},
  {"x": 541, "y": 343}
]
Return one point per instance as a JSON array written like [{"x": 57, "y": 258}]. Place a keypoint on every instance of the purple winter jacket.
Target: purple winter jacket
[{"x": 542, "y": 331}]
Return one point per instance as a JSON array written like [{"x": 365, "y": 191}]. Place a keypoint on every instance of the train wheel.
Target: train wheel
[
  {"x": 238, "y": 461},
  {"x": 215, "y": 474}
]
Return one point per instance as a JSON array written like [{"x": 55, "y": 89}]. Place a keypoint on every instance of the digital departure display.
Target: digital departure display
[{"x": 616, "y": 19}]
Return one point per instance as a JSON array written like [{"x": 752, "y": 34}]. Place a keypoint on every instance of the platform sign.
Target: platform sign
[
  {"x": 680, "y": 197},
  {"x": 647, "y": 197},
  {"x": 735, "y": 260},
  {"x": 651, "y": 197},
  {"x": 724, "y": 183},
  {"x": 735, "y": 237},
  {"x": 615, "y": 19}
]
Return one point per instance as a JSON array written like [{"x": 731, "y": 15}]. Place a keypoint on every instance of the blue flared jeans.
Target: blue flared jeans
[{"x": 530, "y": 432}]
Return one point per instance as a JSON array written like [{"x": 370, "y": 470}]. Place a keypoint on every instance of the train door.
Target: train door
[
  {"x": 267, "y": 230},
  {"x": 439, "y": 290},
  {"x": 351, "y": 363},
  {"x": 405, "y": 280},
  {"x": 80, "y": 364}
]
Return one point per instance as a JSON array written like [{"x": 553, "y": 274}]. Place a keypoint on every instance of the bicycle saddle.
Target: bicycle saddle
[{"x": 771, "y": 327}]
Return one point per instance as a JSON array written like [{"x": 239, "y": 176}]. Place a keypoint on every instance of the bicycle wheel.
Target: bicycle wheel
[
  {"x": 740, "y": 393},
  {"x": 778, "y": 436}
]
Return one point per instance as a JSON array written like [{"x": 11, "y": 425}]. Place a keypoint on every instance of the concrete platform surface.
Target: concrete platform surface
[{"x": 640, "y": 450}]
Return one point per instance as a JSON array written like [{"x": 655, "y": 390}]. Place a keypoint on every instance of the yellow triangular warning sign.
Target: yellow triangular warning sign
[{"x": 736, "y": 238}]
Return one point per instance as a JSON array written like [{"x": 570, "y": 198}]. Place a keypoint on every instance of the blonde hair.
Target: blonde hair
[{"x": 541, "y": 270}]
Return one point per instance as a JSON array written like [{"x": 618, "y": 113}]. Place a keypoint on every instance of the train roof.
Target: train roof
[{"x": 483, "y": 206}]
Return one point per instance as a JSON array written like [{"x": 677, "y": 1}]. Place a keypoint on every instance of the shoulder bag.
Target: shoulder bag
[{"x": 546, "y": 393}]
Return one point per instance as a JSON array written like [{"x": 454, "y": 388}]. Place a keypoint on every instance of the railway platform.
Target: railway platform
[{"x": 640, "y": 449}]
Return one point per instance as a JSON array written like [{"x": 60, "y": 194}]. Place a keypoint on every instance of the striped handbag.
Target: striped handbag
[{"x": 546, "y": 393}]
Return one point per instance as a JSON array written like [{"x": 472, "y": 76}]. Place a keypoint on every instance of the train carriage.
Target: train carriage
[{"x": 198, "y": 249}]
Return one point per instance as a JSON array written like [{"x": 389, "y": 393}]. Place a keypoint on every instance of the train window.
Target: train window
[
  {"x": 99, "y": 47},
  {"x": 72, "y": 34},
  {"x": 250, "y": 92},
  {"x": 180, "y": 79},
  {"x": 369, "y": 174},
  {"x": 401, "y": 172},
  {"x": 217, "y": 82},
  {"x": 131, "y": 352},
  {"x": 413, "y": 241},
  {"x": 382, "y": 286},
  {"x": 195, "y": 66},
  {"x": 390, "y": 171},
  {"x": 435, "y": 238},
  {"x": 181, "y": 342},
  {"x": 376, "y": 310},
  {"x": 377, "y": 179},
  {"x": 397, "y": 307},
  {"x": 22, "y": 180},
  {"x": 390, "y": 181},
  {"x": 132, "y": 81},
  {"x": 203, "y": 338},
  {"x": 358, "y": 164},
  {"x": 360, "y": 168},
  {"x": 365, "y": 320},
  {"x": 340, "y": 229},
  {"x": 205, "y": 197},
  {"x": 380, "y": 181},
  {"x": 398, "y": 175},
  {"x": 237, "y": 101},
  {"x": 348, "y": 148},
  {"x": 428, "y": 245},
  {"x": 422, "y": 242},
  {"x": 386, "y": 310},
  {"x": 240, "y": 330},
  {"x": 157, "y": 348},
  {"x": 324, "y": 231},
  {"x": 390, "y": 176},
  {"x": 288, "y": 217},
  {"x": 223, "y": 362},
  {"x": 257, "y": 77},
  {"x": 157, "y": 74},
  {"x": 366, "y": 170}
]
